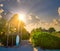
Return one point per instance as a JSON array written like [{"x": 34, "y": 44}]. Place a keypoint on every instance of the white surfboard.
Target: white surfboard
[{"x": 17, "y": 40}]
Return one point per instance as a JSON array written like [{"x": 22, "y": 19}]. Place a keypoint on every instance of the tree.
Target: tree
[
  {"x": 2, "y": 24},
  {"x": 3, "y": 29},
  {"x": 51, "y": 30},
  {"x": 15, "y": 22}
]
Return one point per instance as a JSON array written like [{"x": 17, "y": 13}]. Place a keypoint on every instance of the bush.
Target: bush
[{"x": 45, "y": 40}]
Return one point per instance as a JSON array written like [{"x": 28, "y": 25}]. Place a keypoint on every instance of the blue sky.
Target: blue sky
[
  {"x": 43, "y": 8},
  {"x": 46, "y": 10}
]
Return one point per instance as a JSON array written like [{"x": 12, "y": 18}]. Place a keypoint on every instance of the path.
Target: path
[{"x": 25, "y": 46}]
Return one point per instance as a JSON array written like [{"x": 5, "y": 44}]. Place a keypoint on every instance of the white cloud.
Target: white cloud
[
  {"x": 29, "y": 17},
  {"x": 32, "y": 26},
  {"x": 0, "y": 16},
  {"x": 59, "y": 10},
  {"x": 55, "y": 23},
  {"x": 1, "y": 10},
  {"x": 37, "y": 17},
  {"x": 18, "y": 1},
  {"x": 1, "y": 5}
]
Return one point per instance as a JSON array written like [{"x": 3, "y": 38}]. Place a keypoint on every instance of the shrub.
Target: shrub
[{"x": 45, "y": 40}]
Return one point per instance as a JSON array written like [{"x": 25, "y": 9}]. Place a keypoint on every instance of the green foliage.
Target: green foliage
[
  {"x": 20, "y": 24},
  {"x": 57, "y": 34},
  {"x": 10, "y": 39},
  {"x": 2, "y": 24},
  {"x": 51, "y": 30},
  {"x": 25, "y": 36},
  {"x": 10, "y": 28},
  {"x": 45, "y": 40},
  {"x": 4, "y": 40}
]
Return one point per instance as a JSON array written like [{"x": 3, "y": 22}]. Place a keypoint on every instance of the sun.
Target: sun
[{"x": 22, "y": 17}]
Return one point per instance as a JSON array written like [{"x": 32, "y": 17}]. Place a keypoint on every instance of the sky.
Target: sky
[{"x": 40, "y": 13}]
